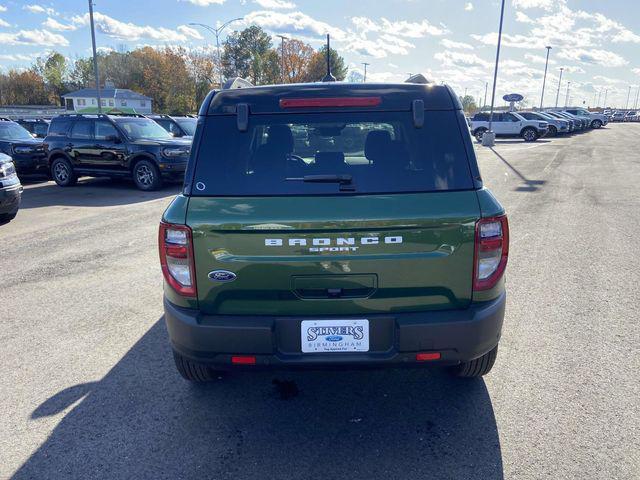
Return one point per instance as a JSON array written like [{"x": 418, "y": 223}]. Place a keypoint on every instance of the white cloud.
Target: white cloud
[
  {"x": 296, "y": 23},
  {"x": 16, "y": 57},
  {"x": 523, "y": 18},
  {"x": 205, "y": 3},
  {"x": 538, "y": 59},
  {"x": 593, "y": 56},
  {"x": 190, "y": 32},
  {"x": 460, "y": 59},
  {"x": 40, "y": 9},
  {"x": 515, "y": 41},
  {"x": 446, "y": 43},
  {"x": 3, "y": 8},
  {"x": 468, "y": 6},
  {"x": 400, "y": 28},
  {"x": 636, "y": 71},
  {"x": 543, "y": 4},
  {"x": 53, "y": 24},
  {"x": 130, "y": 31},
  {"x": 275, "y": 4},
  {"x": 34, "y": 37},
  {"x": 4, "y": 24}
]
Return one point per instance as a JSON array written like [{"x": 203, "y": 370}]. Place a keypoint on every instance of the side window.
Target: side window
[
  {"x": 175, "y": 129},
  {"x": 104, "y": 130},
  {"x": 498, "y": 117},
  {"x": 82, "y": 130},
  {"x": 166, "y": 124},
  {"x": 511, "y": 118},
  {"x": 59, "y": 127}
]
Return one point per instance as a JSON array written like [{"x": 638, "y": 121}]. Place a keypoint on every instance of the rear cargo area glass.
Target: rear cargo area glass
[{"x": 378, "y": 152}]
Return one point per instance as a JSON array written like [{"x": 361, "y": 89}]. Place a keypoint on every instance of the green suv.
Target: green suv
[{"x": 333, "y": 225}]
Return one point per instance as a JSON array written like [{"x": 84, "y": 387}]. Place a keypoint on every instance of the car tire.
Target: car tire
[
  {"x": 553, "y": 131},
  {"x": 62, "y": 172},
  {"x": 193, "y": 371},
  {"x": 477, "y": 367},
  {"x": 596, "y": 124},
  {"x": 478, "y": 134},
  {"x": 529, "y": 134},
  {"x": 146, "y": 176},
  {"x": 7, "y": 217}
]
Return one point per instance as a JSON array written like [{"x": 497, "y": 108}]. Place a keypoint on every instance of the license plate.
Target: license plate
[{"x": 334, "y": 336}]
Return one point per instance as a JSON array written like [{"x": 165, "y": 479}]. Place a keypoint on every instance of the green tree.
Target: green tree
[
  {"x": 53, "y": 69},
  {"x": 247, "y": 54},
  {"x": 469, "y": 104},
  {"x": 317, "y": 68}
]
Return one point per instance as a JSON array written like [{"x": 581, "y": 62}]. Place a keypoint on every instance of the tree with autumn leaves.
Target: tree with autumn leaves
[{"x": 176, "y": 78}]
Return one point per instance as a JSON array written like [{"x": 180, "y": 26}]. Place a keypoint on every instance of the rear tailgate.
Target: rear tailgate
[{"x": 334, "y": 255}]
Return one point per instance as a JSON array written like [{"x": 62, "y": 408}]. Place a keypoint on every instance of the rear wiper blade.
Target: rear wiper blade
[{"x": 341, "y": 179}]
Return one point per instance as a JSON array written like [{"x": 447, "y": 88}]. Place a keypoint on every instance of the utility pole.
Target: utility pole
[
  {"x": 566, "y": 99},
  {"x": 486, "y": 87},
  {"x": 489, "y": 138},
  {"x": 559, "y": 83},
  {"x": 544, "y": 79},
  {"x": 626, "y": 106},
  {"x": 283, "y": 38},
  {"x": 365, "y": 64},
  {"x": 217, "y": 32},
  {"x": 95, "y": 56}
]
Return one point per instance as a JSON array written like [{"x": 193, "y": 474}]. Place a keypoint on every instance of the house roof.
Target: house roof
[{"x": 119, "y": 93}]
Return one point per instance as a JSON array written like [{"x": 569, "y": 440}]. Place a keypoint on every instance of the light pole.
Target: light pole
[
  {"x": 365, "y": 64},
  {"x": 544, "y": 79},
  {"x": 635, "y": 104},
  {"x": 626, "y": 106},
  {"x": 217, "y": 32},
  {"x": 95, "y": 56},
  {"x": 566, "y": 99},
  {"x": 489, "y": 138},
  {"x": 605, "y": 98},
  {"x": 283, "y": 38},
  {"x": 486, "y": 87},
  {"x": 559, "y": 83}
]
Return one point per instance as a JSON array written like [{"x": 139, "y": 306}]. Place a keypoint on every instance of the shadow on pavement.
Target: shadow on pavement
[
  {"x": 92, "y": 192},
  {"x": 520, "y": 141},
  {"x": 143, "y": 421},
  {"x": 527, "y": 185}
]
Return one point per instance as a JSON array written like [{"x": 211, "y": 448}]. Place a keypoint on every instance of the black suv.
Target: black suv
[
  {"x": 10, "y": 190},
  {"x": 177, "y": 126},
  {"x": 37, "y": 127},
  {"x": 27, "y": 152},
  {"x": 114, "y": 146}
]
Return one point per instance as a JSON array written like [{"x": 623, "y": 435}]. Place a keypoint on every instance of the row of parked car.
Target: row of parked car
[
  {"x": 149, "y": 149},
  {"x": 532, "y": 125},
  {"x": 622, "y": 116}
]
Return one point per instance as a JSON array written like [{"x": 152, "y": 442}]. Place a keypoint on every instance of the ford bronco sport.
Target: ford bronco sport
[{"x": 333, "y": 225}]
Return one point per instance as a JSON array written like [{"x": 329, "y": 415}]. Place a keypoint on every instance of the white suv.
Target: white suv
[
  {"x": 508, "y": 124},
  {"x": 597, "y": 119}
]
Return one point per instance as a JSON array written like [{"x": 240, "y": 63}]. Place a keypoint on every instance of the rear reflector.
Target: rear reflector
[
  {"x": 330, "y": 102},
  {"x": 244, "y": 360},
  {"x": 427, "y": 356}
]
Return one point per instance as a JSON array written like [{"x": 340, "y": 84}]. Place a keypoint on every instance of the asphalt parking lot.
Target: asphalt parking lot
[{"x": 89, "y": 389}]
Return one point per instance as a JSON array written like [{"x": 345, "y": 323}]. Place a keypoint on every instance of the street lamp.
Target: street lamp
[
  {"x": 282, "y": 38},
  {"x": 626, "y": 106},
  {"x": 489, "y": 138},
  {"x": 559, "y": 83},
  {"x": 95, "y": 56},
  {"x": 566, "y": 99},
  {"x": 217, "y": 32},
  {"x": 544, "y": 79}
]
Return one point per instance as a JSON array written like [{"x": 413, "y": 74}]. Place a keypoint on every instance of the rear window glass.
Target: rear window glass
[{"x": 302, "y": 154}]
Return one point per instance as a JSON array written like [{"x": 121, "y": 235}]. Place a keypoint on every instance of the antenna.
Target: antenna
[{"x": 328, "y": 77}]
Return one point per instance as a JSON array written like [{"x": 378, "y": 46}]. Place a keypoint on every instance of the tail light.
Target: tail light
[
  {"x": 176, "y": 258},
  {"x": 491, "y": 251}
]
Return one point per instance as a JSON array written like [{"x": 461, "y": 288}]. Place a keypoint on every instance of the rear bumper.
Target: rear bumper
[
  {"x": 172, "y": 170},
  {"x": 458, "y": 335}
]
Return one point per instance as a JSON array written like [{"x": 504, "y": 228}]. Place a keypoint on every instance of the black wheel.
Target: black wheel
[
  {"x": 529, "y": 134},
  {"x": 62, "y": 172},
  {"x": 7, "y": 217},
  {"x": 479, "y": 133},
  {"x": 146, "y": 176},
  {"x": 596, "y": 123},
  {"x": 553, "y": 131},
  {"x": 476, "y": 368},
  {"x": 192, "y": 371}
]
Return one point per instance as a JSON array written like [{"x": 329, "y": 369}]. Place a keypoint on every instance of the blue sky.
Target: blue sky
[{"x": 452, "y": 41}]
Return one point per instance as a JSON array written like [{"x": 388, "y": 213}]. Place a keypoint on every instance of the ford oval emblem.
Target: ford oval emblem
[
  {"x": 333, "y": 338},
  {"x": 222, "y": 276}
]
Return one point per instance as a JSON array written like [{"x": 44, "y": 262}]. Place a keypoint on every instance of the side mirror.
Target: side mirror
[{"x": 113, "y": 138}]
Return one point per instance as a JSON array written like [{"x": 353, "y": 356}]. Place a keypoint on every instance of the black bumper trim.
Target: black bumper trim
[{"x": 459, "y": 335}]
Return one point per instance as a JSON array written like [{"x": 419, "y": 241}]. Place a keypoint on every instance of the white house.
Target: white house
[{"x": 118, "y": 98}]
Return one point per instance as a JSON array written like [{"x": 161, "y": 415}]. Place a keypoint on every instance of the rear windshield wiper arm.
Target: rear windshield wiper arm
[{"x": 341, "y": 179}]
